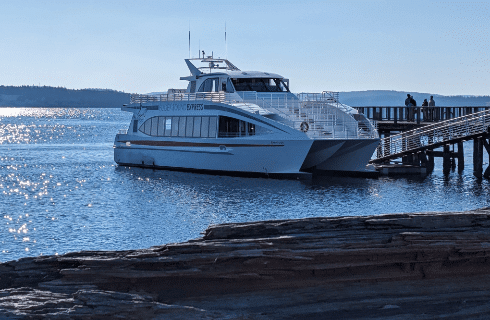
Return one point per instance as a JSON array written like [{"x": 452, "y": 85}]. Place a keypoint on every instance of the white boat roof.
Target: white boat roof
[
  {"x": 217, "y": 66},
  {"x": 253, "y": 74}
]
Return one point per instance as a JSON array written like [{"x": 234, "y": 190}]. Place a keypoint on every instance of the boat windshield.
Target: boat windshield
[{"x": 260, "y": 85}]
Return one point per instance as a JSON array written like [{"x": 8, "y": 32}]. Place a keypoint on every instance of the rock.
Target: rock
[{"x": 397, "y": 265}]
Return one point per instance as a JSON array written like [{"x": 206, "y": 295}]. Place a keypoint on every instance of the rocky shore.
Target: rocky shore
[{"x": 418, "y": 266}]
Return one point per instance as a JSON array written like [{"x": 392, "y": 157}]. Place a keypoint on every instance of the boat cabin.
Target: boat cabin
[{"x": 218, "y": 78}]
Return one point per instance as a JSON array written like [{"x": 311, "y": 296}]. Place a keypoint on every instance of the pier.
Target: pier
[
  {"x": 390, "y": 117},
  {"x": 415, "y": 141}
]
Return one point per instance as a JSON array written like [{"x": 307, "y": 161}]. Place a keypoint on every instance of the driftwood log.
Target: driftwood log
[{"x": 418, "y": 266}]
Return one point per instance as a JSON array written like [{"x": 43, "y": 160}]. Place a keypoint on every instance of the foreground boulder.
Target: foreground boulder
[{"x": 398, "y": 265}]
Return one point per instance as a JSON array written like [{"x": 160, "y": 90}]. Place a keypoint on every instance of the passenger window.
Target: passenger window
[
  {"x": 229, "y": 86},
  {"x": 182, "y": 126},
  {"x": 189, "y": 127},
  {"x": 154, "y": 126},
  {"x": 251, "y": 129},
  {"x": 205, "y": 127},
  {"x": 168, "y": 127},
  {"x": 197, "y": 127},
  {"x": 175, "y": 126},
  {"x": 161, "y": 126},
  {"x": 146, "y": 127},
  {"x": 209, "y": 85},
  {"x": 212, "y": 127}
]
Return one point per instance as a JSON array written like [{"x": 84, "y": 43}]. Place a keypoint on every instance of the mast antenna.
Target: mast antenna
[
  {"x": 189, "y": 39},
  {"x": 226, "y": 44}
]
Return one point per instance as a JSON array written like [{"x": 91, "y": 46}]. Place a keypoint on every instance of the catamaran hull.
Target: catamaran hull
[
  {"x": 348, "y": 155},
  {"x": 252, "y": 156}
]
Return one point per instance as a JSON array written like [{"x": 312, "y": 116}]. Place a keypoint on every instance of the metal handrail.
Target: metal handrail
[
  {"x": 326, "y": 117},
  {"x": 433, "y": 135}
]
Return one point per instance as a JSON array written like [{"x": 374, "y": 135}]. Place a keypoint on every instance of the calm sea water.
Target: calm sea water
[{"x": 61, "y": 191}]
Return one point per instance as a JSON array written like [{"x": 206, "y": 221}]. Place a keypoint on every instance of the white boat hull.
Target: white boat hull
[
  {"x": 252, "y": 156},
  {"x": 245, "y": 155},
  {"x": 340, "y": 155}
]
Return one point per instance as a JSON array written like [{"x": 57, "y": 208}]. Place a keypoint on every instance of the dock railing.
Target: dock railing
[
  {"x": 425, "y": 114},
  {"x": 433, "y": 135}
]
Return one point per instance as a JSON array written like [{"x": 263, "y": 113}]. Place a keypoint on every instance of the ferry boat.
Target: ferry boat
[{"x": 248, "y": 123}]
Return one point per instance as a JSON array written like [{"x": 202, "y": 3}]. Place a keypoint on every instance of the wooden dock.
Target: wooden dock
[{"x": 414, "y": 142}]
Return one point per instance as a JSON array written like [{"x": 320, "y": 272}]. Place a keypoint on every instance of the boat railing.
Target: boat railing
[
  {"x": 325, "y": 115},
  {"x": 322, "y": 112},
  {"x": 208, "y": 96}
]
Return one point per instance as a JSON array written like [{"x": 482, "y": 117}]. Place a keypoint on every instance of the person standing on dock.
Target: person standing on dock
[
  {"x": 432, "y": 113},
  {"x": 425, "y": 111},
  {"x": 409, "y": 105}
]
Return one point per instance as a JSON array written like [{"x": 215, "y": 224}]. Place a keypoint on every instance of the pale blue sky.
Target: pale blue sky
[{"x": 139, "y": 46}]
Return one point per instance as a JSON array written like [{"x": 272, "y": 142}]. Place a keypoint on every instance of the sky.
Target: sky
[{"x": 439, "y": 47}]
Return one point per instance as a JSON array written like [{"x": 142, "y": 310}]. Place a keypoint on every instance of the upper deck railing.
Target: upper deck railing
[
  {"x": 208, "y": 96},
  {"x": 324, "y": 116}
]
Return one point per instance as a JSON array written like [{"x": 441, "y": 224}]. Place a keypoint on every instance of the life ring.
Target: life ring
[{"x": 304, "y": 126}]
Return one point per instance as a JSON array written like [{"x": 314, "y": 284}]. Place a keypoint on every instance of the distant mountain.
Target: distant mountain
[
  {"x": 35, "y": 96},
  {"x": 396, "y": 98}
]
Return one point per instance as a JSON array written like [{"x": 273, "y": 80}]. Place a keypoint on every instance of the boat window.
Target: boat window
[
  {"x": 189, "y": 127},
  {"x": 196, "y": 127},
  {"x": 213, "y": 123},
  {"x": 146, "y": 127},
  {"x": 209, "y": 85},
  {"x": 230, "y": 127},
  {"x": 229, "y": 86},
  {"x": 205, "y": 127},
  {"x": 175, "y": 126},
  {"x": 161, "y": 127},
  {"x": 154, "y": 126},
  {"x": 260, "y": 85},
  {"x": 251, "y": 129},
  {"x": 243, "y": 126},
  {"x": 168, "y": 127},
  {"x": 182, "y": 126}
]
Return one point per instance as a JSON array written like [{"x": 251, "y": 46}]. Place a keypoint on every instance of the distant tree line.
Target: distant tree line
[
  {"x": 44, "y": 96},
  {"x": 384, "y": 98}
]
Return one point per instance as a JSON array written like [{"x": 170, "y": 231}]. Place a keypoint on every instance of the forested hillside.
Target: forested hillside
[{"x": 34, "y": 96}]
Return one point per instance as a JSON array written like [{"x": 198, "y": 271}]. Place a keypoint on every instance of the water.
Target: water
[{"x": 60, "y": 190}]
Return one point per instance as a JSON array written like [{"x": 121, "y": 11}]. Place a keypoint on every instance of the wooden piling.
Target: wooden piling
[
  {"x": 478, "y": 157},
  {"x": 446, "y": 160},
  {"x": 486, "y": 144},
  {"x": 460, "y": 156},
  {"x": 430, "y": 161}
]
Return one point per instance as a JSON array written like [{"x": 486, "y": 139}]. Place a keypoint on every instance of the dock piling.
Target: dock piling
[
  {"x": 460, "y": 156},
  {"x": 446, "y": 160}
]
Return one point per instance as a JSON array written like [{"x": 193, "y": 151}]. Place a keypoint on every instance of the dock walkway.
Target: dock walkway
[{"x": 419, "y": 143}]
